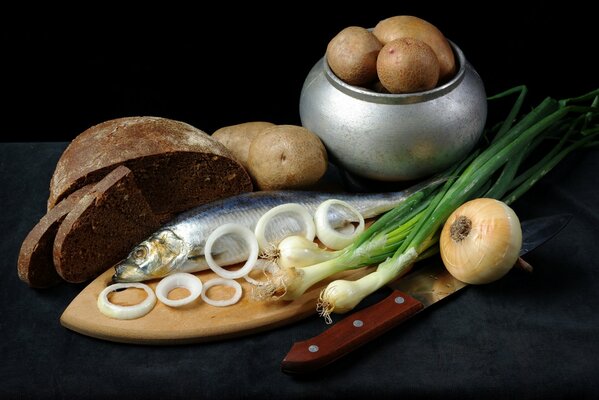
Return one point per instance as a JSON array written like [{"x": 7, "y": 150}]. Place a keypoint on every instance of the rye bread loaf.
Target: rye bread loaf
[
  {"x": 36, "y": 265},
  {"x": 176, "y": 165},
  {"x": 102, "y": 227}
]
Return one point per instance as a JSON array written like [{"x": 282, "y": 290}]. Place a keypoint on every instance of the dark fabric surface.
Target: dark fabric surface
[{"x": 525, "y": 336}]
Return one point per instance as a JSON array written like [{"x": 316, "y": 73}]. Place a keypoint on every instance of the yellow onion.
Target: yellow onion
[{"x": 481, "y": 241}]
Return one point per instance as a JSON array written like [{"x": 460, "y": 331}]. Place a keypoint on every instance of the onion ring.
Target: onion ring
[
  {"x": 126, "y": 312},
  {"x": 179, "y": 280},
  {"x": 225, "y": 282},
  {"x": 330, "y": 237},
  {"x": 249, "y": 237},
  {"x": 290, "y": 208}
]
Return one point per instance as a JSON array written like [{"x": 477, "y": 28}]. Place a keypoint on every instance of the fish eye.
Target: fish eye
[{"x": 140, "y": 252}]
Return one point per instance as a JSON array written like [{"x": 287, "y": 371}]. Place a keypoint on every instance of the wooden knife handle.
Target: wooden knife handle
[{"x": 350, "y": 333}]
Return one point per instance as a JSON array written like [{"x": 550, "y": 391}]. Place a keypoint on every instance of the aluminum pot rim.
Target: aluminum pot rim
[{"x": 403, "y": 98}]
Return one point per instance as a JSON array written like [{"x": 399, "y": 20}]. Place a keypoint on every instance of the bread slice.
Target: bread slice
[
  {"x": 176, "y": 165},
  {"x": 36, "y": 265},
  {"x": 102, "y": 227}
]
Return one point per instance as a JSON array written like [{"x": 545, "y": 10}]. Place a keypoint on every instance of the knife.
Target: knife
[{"x": 413, "y": 293}]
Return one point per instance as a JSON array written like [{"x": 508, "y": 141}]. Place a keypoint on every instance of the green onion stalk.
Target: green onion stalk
[
  {"x": 372, "y": 247},
  {"x": 504, "y": 168}
]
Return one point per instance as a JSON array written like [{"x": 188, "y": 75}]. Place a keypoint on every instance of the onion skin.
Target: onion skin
[{"x": 488, "y": 249}]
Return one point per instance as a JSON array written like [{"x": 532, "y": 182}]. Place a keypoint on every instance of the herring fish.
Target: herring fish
[{"x": 179, "y": 245}]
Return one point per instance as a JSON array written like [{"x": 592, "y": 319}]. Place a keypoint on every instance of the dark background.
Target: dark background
[{"x": 65, "y": 70}]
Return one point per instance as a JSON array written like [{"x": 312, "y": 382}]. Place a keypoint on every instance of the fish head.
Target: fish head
[{"x": 153, "y": 258}]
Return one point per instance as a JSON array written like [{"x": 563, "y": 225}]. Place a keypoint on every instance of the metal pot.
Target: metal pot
[{"x": 395, "y": 137}]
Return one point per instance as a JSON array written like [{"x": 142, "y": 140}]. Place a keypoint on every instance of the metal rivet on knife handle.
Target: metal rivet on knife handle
[
  {"x": 350, "y": 333},
  {"x": 358, "y": 323}
]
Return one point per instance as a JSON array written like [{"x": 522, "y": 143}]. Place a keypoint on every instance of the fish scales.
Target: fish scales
[
  {"x": 196, "y": 224},
  {"x": 179, "y": 245}
]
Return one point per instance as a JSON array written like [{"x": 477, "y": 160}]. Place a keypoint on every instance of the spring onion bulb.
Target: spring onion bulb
[
  {"x": 246, "y": 235},
  {"x": 291, "y": 209},
  {"x": 481, "y": 241},
  {"x": 335, "y": 239},
  {"x": 297, "y": 251},
  {"x": 222, "y": 282},
  {"x": 179, "y": 280},
  {"x": 116, "y": 311},
  {"x": 341, "y": 296}
]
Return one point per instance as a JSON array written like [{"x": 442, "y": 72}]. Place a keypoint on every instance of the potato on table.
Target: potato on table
[
  {"x": 286, "y": 157},
  {"x": 237, "y": 138}
]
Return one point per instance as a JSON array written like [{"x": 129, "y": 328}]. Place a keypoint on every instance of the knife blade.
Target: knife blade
[{"x": 413, "y": 293}]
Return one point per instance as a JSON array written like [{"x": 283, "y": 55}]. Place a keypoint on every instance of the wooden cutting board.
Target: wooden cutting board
[{"x": 195, "y": 322}]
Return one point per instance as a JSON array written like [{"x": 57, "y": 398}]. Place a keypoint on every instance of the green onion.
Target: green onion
[
  {"x": 508, "y": 151},
  {"x": 504, "y": 168}
]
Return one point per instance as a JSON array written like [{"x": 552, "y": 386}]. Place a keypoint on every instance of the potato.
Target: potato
[
  {"x": 407, "y": 65},
  {"x": 352, "y": 53},
  {"x": 237, "y": 138},
  {"x": 402, "y": 26},
  {"x": 286, "y": 157}
]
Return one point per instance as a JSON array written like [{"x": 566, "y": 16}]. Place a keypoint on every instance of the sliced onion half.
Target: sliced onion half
[
  {"x": 250, "y": 239},
  {"x": 224, "y": 282},
  {"x": 289, "y": 208},
  {"x": 329, "y": 236},
  {"x": 179, "y": 280},
  {"x": 126, "y": 312}
]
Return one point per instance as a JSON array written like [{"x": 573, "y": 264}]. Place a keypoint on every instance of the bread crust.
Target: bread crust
[
  {"x": 165, "y": 155},
  {"x": 102, "y": 227},
  {"x": 35, "y": 265}
]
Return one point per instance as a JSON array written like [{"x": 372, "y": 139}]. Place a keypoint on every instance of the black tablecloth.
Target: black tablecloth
[{"x": 525, "y": 336}]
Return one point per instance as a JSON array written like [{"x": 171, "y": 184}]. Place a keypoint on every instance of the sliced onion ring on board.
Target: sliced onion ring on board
[
  {"x": 126, "y": 312},
  {"x": 293, "y": 208},
  {"x": 335, "y": 239},
  {"x": 179, "y": 280},
  {"x": 250, "y": 239},
  {"x": 224, "y": 282}
]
